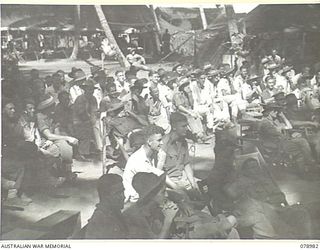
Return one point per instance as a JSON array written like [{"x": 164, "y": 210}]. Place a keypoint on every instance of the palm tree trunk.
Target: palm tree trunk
[
  {"x": 104, "y": 24},
  {"x": 158, "y": 32},
  {"x": 75, "y": 50}
]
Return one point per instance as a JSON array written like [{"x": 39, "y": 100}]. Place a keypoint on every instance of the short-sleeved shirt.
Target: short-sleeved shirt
[
  {"x": 45, "y": 122},
  {"x": 30, "y": 130},
  {"x": 176, "y": 155},
  {"x": 267, "y": 95},
  {"x": 201, "y": 95},
  {"x": 122, "y": 87},
  {"x": 238, "y": 83},
  {"x": 223, "y": 87},
  {"x": 154, "y": 106},
  {"x": 137, "y": 162}
]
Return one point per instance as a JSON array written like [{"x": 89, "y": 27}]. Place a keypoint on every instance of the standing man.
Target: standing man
[
  {"x": 85, "y": 118},
  {"x": 157, "y": 112},
  {"x": 166, "y": 42}
]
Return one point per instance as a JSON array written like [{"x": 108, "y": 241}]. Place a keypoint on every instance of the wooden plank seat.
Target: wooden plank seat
[{"x": 62, "y": 224}]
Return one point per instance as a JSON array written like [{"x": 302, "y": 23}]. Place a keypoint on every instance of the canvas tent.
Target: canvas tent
[
  {"x": 60, "y": 17},
  {"x": 293, "y": 29},
  {"x": 54, "y": 20}
]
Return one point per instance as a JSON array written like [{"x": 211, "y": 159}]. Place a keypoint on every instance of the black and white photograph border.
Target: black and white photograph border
[{"x": 172, "y": 122}]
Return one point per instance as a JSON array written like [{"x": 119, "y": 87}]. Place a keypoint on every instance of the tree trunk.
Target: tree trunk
[
  {"x": 104, "y": 24},
  {"x": 156, "y": 34},
  {"x": 203, "y": 18},
  {"x": 75, "y": 50},
  {"x": 232, "y": 23}
]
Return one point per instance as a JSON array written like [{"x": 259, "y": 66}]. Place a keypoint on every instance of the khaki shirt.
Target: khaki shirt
[{"x": 175, "y": 155}]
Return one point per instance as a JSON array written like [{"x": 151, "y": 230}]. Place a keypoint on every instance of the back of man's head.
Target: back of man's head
[
  {"x": 176, "y": 118},
  {"x": 291, "y": 99},
  {"x": 108, "y": 184}
]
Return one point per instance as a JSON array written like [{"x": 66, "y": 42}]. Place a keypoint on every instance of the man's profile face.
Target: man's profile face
[
  {"x": 10, "y": 110},
  {"x": 121, "y": 77},
  {"x": 202, "y": 79},
  {"x": 118, "y": 197},
  {"x": 181, "y": 128},
  {"x": 244, "y": 72},
  {"x": 155, "y": 142},
  {"x": 155, "y": 78}
]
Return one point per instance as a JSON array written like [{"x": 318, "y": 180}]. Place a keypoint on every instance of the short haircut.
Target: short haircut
[
  {"x": 152, "y": 130},
  {"x": 108, "y": 183},
  {"x": 291, "y": 99},
  {"x": 177, "y": 117}
]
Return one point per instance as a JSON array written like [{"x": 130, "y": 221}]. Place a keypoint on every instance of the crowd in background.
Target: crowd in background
[{"x": 144, "y": 125}]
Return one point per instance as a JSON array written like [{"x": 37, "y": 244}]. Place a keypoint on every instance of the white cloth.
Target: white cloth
[
  {"x": 120, "y": 88},
  {"x": 97, "y": 93},
  {"x": 75, "y": 91},
  {"x": 137, "y": 163},
  {"x": 282, "y": 84},
  {"x": 238, "y": 83},
  {"x": 223, "y": 87}
]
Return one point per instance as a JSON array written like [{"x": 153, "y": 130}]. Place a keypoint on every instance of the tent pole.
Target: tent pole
[{"x": 104, "y": 23}]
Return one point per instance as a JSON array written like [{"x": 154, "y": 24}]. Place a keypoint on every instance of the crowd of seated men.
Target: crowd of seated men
[{"x": 144, "y": 125}]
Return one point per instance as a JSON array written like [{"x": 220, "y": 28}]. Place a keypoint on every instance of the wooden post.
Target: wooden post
[
  {"x": 232, "y": 24},
  {"x": 75, "y": 49},
  {"x": 104, "y": 24},
  {"x": 303, "y": 43}
]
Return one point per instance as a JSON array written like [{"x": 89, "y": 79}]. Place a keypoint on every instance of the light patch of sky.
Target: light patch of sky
[{"x": 238, "y": 8}]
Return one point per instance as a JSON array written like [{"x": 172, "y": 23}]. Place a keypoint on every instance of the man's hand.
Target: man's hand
[
  {"x": 195, "y": 186},
  {"x": 72, "y": 140},
  {"x": 170, "y": 212},
  {"x": 47, "y": 144}
]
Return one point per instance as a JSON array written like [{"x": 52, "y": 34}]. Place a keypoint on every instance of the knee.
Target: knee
[{"x": 66, "y": 151}]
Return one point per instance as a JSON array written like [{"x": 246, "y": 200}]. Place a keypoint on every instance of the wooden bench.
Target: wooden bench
[{"x": 60, "y": 225}]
